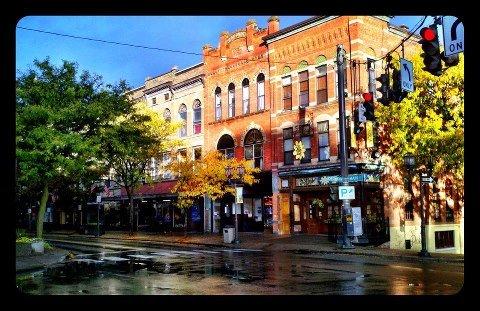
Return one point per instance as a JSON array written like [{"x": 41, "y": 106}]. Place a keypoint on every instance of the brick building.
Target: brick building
[
  {"x": 237, "y": 117},
  {"x": 303, "y": 85}
]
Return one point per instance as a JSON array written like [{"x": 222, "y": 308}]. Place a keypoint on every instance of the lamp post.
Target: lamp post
[
  {"x": 409, "y": 162},
  {"x": 235, "y": 182}
]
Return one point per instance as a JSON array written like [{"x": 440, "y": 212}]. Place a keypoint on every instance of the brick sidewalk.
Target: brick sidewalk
[{"x": 268, "y": 241}]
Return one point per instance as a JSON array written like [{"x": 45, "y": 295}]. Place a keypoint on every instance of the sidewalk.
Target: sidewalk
[
  {"x": 263, "y": 241},
  {"x": 29, "y": 262}
]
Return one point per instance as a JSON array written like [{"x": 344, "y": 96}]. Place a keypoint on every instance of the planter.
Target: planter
[{"x": 38, "y": 247}]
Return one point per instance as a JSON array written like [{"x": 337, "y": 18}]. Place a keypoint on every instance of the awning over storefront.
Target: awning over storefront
[
  {"x": 329, "y": 169},
  {"x": 147, "y": 190}
]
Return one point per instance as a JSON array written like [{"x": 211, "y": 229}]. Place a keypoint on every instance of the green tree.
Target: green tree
[
  {"x": 429, "y": 123},
  {"x": 59, "y": 116},
  {"x": 131, "y": 142}
]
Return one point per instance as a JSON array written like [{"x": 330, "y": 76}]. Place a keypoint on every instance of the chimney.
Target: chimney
[
  {"x": 223, "y": 43},
  {"x": 273, "y": 24},
  {"x": 250, "y": 29}
]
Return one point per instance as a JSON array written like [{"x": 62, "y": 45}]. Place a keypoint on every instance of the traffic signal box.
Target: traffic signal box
[
  {"x": 431, "y": 50},
  {"x": 384, "y": 79}
]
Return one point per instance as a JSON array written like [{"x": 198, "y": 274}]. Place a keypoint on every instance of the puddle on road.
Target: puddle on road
[{"x": 166, "y": 271}]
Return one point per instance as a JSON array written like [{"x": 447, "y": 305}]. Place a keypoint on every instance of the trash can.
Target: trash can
[{"x": 228, "y": 234}]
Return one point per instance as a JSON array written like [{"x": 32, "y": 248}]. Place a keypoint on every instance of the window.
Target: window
[
  {"x": 303, "y": 80},
  {"x": 449, "y": 213},
  {"x": 154, "y": 101},
  {"x": 197, "y": 117},
  {"x": 306, "y": 143},
  {"x": 253, "y": 147},
  {"x": 444, "y": 239},
  {"x": 323, "y": 141},
  {"x": 167, "y": 115},
  {"x": 166, "y": 161},
  {"x": 288, "y": 146},
  {"x": 246, "y": 96},
  {"x": 287, "y": 93},
  {"x": 261, "y": 92},
  {"x": 197, "y": 153},
  {"x": 182, "y": 155},
  {"x": 167, "y": 96},
  {"x": 183, "y": 116},
  {"x": 322, "y": 94},
  {"x": 218, "y": 104},
  {"x": 372, "y": 82},
  {"x": 409, "y": 210},
  {"x": 153, "y": 168},
  {"x": 226, "y": 146},
  {"x": 231, "y": 100}
]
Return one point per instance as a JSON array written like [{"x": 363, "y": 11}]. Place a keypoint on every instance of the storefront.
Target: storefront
[
  {"x": 154, "y": 210},
  {"x": 254, "y": 214},
  {"x": 310, "y": 199}
]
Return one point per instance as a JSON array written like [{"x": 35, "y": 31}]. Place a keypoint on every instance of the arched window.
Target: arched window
[
  {"x": 231, "y": 100},
  {"x": 286, "y": 70},
  {"x": 226, "y": 146},
  {"x": 261, "y": 92},
  {"x": 303, "y": 64},
  {"x": 218, "y": 104},
  {"x": 183, "y": 116},
  {"x": 197, "y": 117},
  {"x": 166, "y": 115},
  {"x": 253, "y": 147},
  {"x": 246, "y": 96},
  {"x": 320, "y": 59}
]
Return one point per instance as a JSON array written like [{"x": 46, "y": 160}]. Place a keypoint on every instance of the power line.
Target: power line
[{"x": 148, "y": 47}]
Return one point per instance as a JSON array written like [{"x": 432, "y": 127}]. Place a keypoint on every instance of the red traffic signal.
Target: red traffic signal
[
  {"x": 428, "y": 34},
  {"x": 367, "y": 96}
]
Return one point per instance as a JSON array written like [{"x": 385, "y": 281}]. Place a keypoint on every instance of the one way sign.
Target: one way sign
[
  {"x": 452, "y": 35},
  {"x": 406, "y": 75}
]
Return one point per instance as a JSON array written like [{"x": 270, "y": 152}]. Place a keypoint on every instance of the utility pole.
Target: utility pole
[{"x": 346, "y": 243}]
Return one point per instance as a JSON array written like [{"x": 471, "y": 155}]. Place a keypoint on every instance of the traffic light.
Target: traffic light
[
  {"x": 397, "y": 94},
  {"x": 358, "y": 124},
  {"x": 384, "y": 88},
  {"x": 368, "y": 105},
  {"x": 431, "y": 50}
]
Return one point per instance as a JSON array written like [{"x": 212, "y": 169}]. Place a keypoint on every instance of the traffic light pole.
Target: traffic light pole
[{"x": 346, "y": 243}]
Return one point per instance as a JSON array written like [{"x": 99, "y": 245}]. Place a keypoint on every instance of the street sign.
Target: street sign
[
  {"x": 406, "y": 75},
  {"x": 346, "y": 192},
  {"x": 361, "y": 113},
  {"x": 452, "y": 35},
  {"x": 427, "y": 180},
  {"x": 238, "y": 194},
  {"x": 99, "y": 198},
  {"x": 357, "y": 221}
]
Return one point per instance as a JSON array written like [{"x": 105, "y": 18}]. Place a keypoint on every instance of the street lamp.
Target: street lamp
[
  {"x": 236, "y": 182},
  {"x": 409, "y": 162}
]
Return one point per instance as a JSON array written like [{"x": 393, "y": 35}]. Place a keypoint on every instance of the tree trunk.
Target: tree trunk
[
  {"x": 41, "y": 212},
  {"x": 131, "y": 215},
  {"x": 186, "y": 217}
]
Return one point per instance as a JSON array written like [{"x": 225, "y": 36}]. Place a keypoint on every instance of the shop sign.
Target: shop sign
[{"x": 335, "y": 180}]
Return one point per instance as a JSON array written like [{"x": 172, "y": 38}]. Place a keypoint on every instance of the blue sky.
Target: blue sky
[{"x": 115, "y": 62}]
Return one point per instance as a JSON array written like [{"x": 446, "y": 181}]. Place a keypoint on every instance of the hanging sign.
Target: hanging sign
[{"x": 406, "y": 75}]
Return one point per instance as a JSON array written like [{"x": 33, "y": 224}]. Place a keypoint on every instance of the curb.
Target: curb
[{"x": 386, "y": 256}]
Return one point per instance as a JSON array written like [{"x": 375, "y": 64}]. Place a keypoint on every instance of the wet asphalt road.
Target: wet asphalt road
[{"x": 190, "y": 271}]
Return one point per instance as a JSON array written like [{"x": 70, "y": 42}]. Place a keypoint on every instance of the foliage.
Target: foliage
[
  {"x": 29, "y": 240},
  {"x": 131, "y": 142},
  {"x": 429, "y": 123},
  {"x": 299, "y": 150},
  {"x": 207, "y": 176},
  {"x": 318, "y": 203},
  {"x": 59, "y": 116}
]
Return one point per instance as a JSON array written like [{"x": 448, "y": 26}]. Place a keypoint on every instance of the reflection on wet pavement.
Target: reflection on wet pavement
[{"x": 211, "y": 272}]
